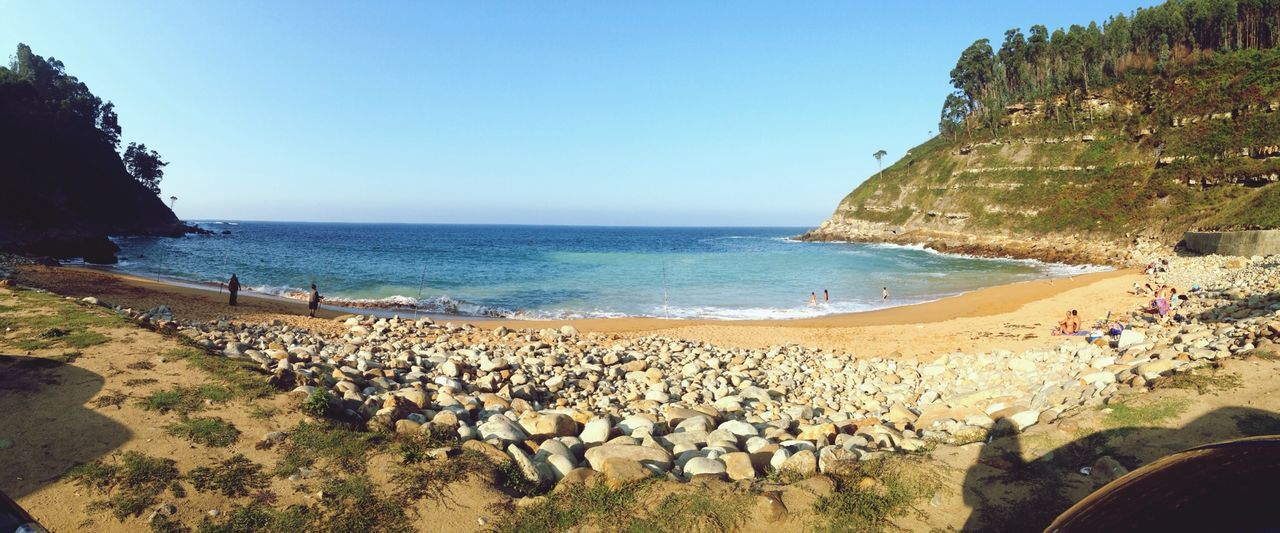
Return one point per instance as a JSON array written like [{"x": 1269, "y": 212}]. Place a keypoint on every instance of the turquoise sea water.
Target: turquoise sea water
[{"x": 564, "y": 272}]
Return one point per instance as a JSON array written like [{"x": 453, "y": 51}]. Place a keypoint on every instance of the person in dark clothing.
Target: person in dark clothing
[
  {"x": 233, "y": 287},
  {"x": 313, "y": 301}
]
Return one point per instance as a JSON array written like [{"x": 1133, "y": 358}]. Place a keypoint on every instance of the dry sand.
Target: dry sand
[{"x": 1014, "y": 317}]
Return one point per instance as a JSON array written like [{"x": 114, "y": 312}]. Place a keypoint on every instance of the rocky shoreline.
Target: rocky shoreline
[
  {"x": 564, "y": 405},
  {"x": 1061, "y": 248}
]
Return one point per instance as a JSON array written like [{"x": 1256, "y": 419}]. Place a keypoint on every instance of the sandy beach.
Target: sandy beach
[{"x": 1013, "y": 316}]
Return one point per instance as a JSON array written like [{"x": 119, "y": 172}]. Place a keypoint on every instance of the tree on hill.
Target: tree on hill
[
  {"x": 41, "y": 89},
  {"x": 145, "y": 166},
  {"x": 879, "y": 155},
  {"x": 1073, "y": 62}
]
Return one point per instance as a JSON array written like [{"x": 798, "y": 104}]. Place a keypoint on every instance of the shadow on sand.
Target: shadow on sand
[
  {"x": 45, "y": 423},
  {"x": 1008, "y": 493}
]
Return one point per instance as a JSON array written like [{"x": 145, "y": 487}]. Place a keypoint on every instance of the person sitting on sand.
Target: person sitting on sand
[
  {"x": 313, "y": 301},
  {"x": 233, "y": 287},
  {"x": 1070, "y": 324},
  {"x": 1161, "y": 304}
]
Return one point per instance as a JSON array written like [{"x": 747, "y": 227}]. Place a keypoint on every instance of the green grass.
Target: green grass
[
  {"x": 60, "y": 323},
  {"x": 244, "y": 379},
  {"x": 1144, "y": 412},
  {"x": 694, "y": 510},
  {"x": 262, "y": 412},
  {"x": 319, "y": 403},
  {"x": 421, "y": 479},
  {"x": 1203, "y": 382},
  {"x": 258, "y": 517},
  {"x": 339, "y": 446},
  {"x": 132, "y": 483},
  {"x": 185, "y": 400},
  {"x": 870, "y": 493},
  {"x": 578, "y": 505},
  {"x": 357, "y": 505},
  {"x": 1256, "y": 424},
  {"x": 234, "y": 477},
  {"x": 209, "y": 431}
]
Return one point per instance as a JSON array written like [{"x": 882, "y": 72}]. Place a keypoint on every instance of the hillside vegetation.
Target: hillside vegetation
[
  {"x": 64, "y": 185},
  {"x": 1146, "y": 148}
]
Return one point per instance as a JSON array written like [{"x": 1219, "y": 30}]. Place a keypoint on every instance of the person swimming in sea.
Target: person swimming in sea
[
  {"x": 313, "y": 301},
  {"x": 813, "y": 299},
  {"x": 826, "y": 298},
  {"x": 884, "y": 294}
]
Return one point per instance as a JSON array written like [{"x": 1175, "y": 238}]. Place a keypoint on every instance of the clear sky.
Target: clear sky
[{"x": 556, "y": 112}]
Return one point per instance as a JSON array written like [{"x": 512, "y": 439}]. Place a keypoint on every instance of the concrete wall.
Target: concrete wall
[{"x": 1243, "y": 243}]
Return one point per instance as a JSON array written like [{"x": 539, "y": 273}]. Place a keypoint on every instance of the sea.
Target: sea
[{"x": 560, "y": 272}]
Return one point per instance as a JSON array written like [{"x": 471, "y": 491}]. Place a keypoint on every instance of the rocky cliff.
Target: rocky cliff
[{"x": 1144, "y": 160}]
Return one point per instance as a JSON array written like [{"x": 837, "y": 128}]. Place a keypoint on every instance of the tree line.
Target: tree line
[
  {"x": 41, "y": 89},
  {"x": 1072, "y": 62}
]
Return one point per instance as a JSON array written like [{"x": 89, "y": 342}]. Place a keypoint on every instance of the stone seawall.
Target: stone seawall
[{"x": 1242, "y": 243}]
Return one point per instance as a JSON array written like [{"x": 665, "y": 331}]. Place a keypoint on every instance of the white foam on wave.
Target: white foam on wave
[{"x": 1052, "y": 269}]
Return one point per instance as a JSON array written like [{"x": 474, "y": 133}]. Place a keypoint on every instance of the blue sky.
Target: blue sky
[{"x": 648, "y": 113}]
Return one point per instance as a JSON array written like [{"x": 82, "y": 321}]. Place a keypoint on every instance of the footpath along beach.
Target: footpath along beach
[{"x": 771, "y": 405}]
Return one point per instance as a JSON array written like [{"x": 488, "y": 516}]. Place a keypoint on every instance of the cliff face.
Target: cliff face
[
  {"x": 1147, "y": 159},
  {"x": 63, "y": 188}
]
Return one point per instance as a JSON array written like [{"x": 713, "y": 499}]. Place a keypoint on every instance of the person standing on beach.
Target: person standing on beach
[
  {"x": 313, "y": 301},
  {"x": 233, "y": 287},
  {"x": 884, "y": 294}
]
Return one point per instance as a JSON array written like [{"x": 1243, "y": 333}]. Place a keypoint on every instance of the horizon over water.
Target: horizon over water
[{"x": 533, "y": 272}]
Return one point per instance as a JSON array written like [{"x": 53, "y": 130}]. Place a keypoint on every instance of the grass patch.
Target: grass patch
[
  {"x": 1202, "y": 382},
  {"x": 244, "y": 379},
  {"x": 138, "y": 382},
  {"x": 357, "y": 505},
  {"x": 261, "y": 518},
  {"x": 186, "y": 400},
  {"x": 694, "y": 511},
  {"x": 62, "y": 323},
  {"x": 310, "y": 442},
  {"x": 1133, "y": 413},
  {"x": 431, "y": 479},
  {"x": 1256, "y": 424},
  {"x": 133, "y": 483},
  {"x": 234, "y": 477},
  {"x": 209, "y": 431},
  {"x": 319, "y": 403},
  {"x": 869, "y": 493},
  {"x": 140, "y": 365},
  {"x": 262, "y": 412},
  {"x": 575, "y": 506},
  {"x": 109, "y": 399},
  {"x": 417, "y": 447}
]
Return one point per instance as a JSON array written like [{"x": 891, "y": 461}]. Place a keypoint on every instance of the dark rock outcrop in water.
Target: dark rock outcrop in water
[{"x": 63, "y": 187}]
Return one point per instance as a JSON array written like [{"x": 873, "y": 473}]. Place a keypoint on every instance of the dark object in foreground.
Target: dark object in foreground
[
  {"x": 1226, "y": 486},
  {"x": 16, "y": 520}
]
